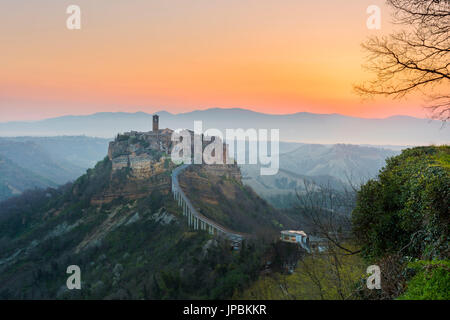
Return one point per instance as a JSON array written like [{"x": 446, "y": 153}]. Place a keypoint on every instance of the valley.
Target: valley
[
  {"x": 196, "y": 151},
  {"x": 122, "y": 221}
]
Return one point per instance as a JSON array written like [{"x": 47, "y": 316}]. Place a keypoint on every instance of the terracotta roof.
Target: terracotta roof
[{"x": 299, "y": 232}]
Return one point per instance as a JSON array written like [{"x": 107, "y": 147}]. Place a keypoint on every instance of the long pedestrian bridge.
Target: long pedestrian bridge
[{"x": 196, "y": 220}]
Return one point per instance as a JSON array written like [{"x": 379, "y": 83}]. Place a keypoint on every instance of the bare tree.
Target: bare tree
[
  {"x": 326, "y": 212},
  {"x": 415, "y": 59}
]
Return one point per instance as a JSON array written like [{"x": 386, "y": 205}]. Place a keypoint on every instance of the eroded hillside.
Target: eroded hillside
[
  {"x": 120, "y": 225},
  {"x": 220, "y": 195}
]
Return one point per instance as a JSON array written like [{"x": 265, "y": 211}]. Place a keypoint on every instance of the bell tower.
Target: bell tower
[{"x": 155, "y": 123}]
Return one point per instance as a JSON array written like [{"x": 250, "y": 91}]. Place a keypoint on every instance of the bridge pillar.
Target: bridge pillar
[{"x": 190, "y": 219}]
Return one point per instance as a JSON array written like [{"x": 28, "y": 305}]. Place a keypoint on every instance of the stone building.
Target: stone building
[
  {"x": 140, "y": 151},
  {"x": 155, "y": 123}
]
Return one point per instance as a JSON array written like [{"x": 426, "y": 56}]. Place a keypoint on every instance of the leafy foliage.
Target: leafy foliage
[
  {"x": 94, "y": 180},
  {"x": 431, "y": 281},
  {"x": 407, "y": 208},
  {"x": 317, "y": 277}
]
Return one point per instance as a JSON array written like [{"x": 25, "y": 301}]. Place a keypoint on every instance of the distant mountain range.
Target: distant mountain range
[{"x": 298, "y": 127}]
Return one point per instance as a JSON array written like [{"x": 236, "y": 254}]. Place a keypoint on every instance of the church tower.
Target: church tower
[{"x": 155, "y": 123}]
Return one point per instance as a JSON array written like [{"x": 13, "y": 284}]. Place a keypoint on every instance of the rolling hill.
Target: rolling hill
[
  {"x": 337, "y": 166},
  {"x": 14, "y": 179},
  {"x": 29, "y": 162}
]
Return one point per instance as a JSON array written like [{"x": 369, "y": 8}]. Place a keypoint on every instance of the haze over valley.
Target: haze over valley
[{"x": 55, "y": 160}]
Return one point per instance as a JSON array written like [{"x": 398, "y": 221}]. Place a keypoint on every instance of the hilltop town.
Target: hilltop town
[{"x": 145, "y": 158}]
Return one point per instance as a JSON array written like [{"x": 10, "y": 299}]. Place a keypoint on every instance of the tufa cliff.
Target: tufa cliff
[{"x": 141, "y": 163}]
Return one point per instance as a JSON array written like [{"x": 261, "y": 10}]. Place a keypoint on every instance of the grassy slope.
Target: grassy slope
[
  {"x": 315, "y": 278},
  {"x": 403, "y": 217}
]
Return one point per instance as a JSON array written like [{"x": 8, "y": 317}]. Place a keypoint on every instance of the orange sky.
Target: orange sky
[{"x": 273, "y": 56}]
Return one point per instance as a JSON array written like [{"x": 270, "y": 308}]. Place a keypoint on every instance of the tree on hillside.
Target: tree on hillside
[
  {"x": 401, "y": 218},
  {"x": 415, "y": 59},
  {"x": 405, "y": 210},
  {"x": 326, "y": 212}
]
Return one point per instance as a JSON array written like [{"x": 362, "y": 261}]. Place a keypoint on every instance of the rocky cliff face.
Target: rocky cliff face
[
  {"x": 140, "y": 164},
  {"x": 217, "y": 192},
  {"x": 144, "y": 157},
  {"x": 145, "y": 153}
]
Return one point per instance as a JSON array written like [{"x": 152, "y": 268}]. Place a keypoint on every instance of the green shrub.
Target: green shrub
[
  {"x": 430, "y": 282},
  {"x": 406, "y": 209}
]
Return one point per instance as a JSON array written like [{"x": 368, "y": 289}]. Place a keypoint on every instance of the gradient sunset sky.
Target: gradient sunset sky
[{"x": 272, "y": 56}]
